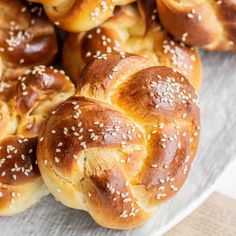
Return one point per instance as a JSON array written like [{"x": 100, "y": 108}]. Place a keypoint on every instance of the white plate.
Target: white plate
[{"x": 217, "y": 150}]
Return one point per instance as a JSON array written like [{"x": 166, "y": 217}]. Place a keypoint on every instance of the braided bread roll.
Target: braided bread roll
[
  {"x": 80, "y": 15},
  {"x": 124, "y": 143},
  {"x": 128, "y": 31},
  {"x": 207, "y": 24},
  {"x": 36, "y": 94},
  {"x": 27, "y": 39}
]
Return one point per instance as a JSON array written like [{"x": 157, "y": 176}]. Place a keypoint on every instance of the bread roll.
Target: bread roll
[
  {"x": 34, "y": 97},
  {"x": 124, "y": 143},
  {"x": 136, "y": 32},
  {"x": 27, "y": 39},
  {"x": 80, "y": 15},
  {"x": 202, "y": 23}
]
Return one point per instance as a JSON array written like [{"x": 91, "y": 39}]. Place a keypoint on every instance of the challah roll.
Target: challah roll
[
  {"x": 36, "y": 94},
  {"x": 128, "y": 31},
  {"x": 27, "y": 39},
  {"x": 80, "y": 15},
  {"x": 210, "y": 24},
  {"x": 124, "y": 143}
]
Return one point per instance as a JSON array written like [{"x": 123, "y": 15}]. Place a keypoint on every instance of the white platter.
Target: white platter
[{"x": 217, "y": 151}]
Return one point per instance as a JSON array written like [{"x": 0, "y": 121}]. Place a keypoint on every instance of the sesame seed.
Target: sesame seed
[{"x": 154, "y": 165}]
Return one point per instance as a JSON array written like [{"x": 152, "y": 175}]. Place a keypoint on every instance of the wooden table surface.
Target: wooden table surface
[{"x": 217, "y": 151}]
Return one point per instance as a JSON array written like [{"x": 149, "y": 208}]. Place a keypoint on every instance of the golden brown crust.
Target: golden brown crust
[
  {"x": 207, "y": 24},
  {"x": 101, "y": 83},
  {"x": 27, "y": 39},
  {"x": 127, "y": 31},
  {"x": 160, "y": 95},
  {"x": 38, "y": 83},
  {"x": 148, "y": 10},
  {"x": 22, "y": 116},
  {"x": 77, "y": 15},
  {"x": 86, "y": 133},
  {"x": 124, "y": 142},
  {"x": 18, "y": 160}
]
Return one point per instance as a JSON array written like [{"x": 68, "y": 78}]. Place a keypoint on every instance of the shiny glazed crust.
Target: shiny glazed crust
[
  {"x": 124, "y": 143},
  {"x": 22, "y": 116},
  {"x": 27, "y": 39},
  {"x": 80, "y": 15},
  {"x": 210, "y": 24}
]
